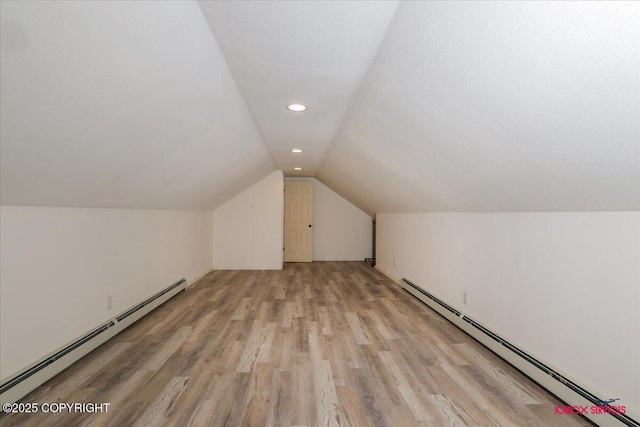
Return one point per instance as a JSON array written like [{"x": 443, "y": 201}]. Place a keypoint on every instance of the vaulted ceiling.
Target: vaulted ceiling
[{"x": 417, "y": 106}]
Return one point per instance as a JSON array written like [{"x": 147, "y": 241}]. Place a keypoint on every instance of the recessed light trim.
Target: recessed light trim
[
  {"x": 297, "y": 169},
  {"x": 296, "y": 107},
  {"x": 296, "y": 150}
]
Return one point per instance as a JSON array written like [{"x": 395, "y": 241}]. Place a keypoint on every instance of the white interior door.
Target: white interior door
[{"x": 298, "y": 221}]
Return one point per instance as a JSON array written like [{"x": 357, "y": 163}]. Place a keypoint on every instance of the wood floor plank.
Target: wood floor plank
[
  {"x": 351, "y": 410},
  {"x": 257, "y": 406},
  {"x": 269, "y": 332},
  {"x": 359, "y": 332},
  {"x": 316, "y": 344},
  {"x": 157, "y": 412},
  {"x": 161, "y": 356},
  {"x": 203, "y": 414},
  {"x": 288, "y": 314},
  {"x": 500, "y": 376},
  {"x": 414, "y": 404},
  {"x": 118, "y": 397},
  {"x": 73, "y": 382},
  {"x": 489, "y": 408},
  {"x": 381, "y": 325},
  {"x": 325, "y": 391},
  {"x": 304, "y": 405},
  {"x": 252, "y": 349},
  {"x": 325, "y": 321},
  {"x": 280, "y": 399},
  {"x": 446, "y": 411}
]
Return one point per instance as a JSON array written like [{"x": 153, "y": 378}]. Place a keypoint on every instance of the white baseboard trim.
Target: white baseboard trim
[
  {"x": 194, "y": 281},
  {"x": 396, "y": 280},
  {"x": 247, "y": 267}
]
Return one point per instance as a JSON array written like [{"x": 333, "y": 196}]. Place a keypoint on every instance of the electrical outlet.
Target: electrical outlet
[
  {"x": 109, "y": 303},
  {"x": 193, "y": 262},
  {"x": 394, "y": 262},
  {"x": 465, "y": 298}
]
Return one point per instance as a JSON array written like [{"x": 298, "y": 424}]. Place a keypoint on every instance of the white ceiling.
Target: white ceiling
[
  {"x": 425, "y": 106},
  {"x": 120, "y": 104},
  {"x": 311, "y": 52},
  {"x": 497, "y": 106}
]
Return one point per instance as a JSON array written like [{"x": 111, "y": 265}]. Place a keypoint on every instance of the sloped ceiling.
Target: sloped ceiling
[
  {"x": 311, "y": 52},
  {"x": 497, "y": 106},
  {"x": 417, "y": 106},
  {"x": 121, "y": 104}
]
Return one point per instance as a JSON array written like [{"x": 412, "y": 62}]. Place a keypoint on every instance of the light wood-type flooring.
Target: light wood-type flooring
[{"x": 317, "y": 344}]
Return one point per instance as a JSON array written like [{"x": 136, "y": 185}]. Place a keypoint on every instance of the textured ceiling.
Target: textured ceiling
[
  {"x": 120, "y": 104},
  {"x": 311, "y": 52},
  {"x": 497, "y": 106},
  {"x": 421, "y": 106}
]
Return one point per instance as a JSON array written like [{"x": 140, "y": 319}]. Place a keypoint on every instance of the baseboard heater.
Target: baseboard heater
[
  {"x": 37, "y": 374},
  {"x": 555, "y": 382}
]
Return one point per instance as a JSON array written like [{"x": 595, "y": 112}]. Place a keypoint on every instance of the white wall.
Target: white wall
[
  {"x": 564, "y": 286},
  {"x": 59, "y": 265},
  {"x": 341, "y": 231},
  {"x": 248, "y": 229}
]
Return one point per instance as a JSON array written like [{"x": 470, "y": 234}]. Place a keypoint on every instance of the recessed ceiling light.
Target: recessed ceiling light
[
  {"x": 297, "y": 169},
  {"x": 296, "y": 150},
  {"x": 296, "y": 107}
]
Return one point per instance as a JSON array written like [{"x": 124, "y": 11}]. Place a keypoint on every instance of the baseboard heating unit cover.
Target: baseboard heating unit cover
[
  {"x": 555, "y": 382},
  {"x": 18, "y": 385}
]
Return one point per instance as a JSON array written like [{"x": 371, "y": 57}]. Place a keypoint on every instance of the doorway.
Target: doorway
[{"x": 298, "y": 221}]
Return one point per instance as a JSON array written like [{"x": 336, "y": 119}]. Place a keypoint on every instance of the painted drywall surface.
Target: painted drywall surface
[
  {"x": 563, "y": 286},
  {"x": 281, "y": 52},
  {"x": 248, "y": 229},
  {"x": 59, "y": 265},
  {"x": 485, "y": 106},
  {"x": 341, "y": 231},
  {"x": 120, "y": 105}
]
